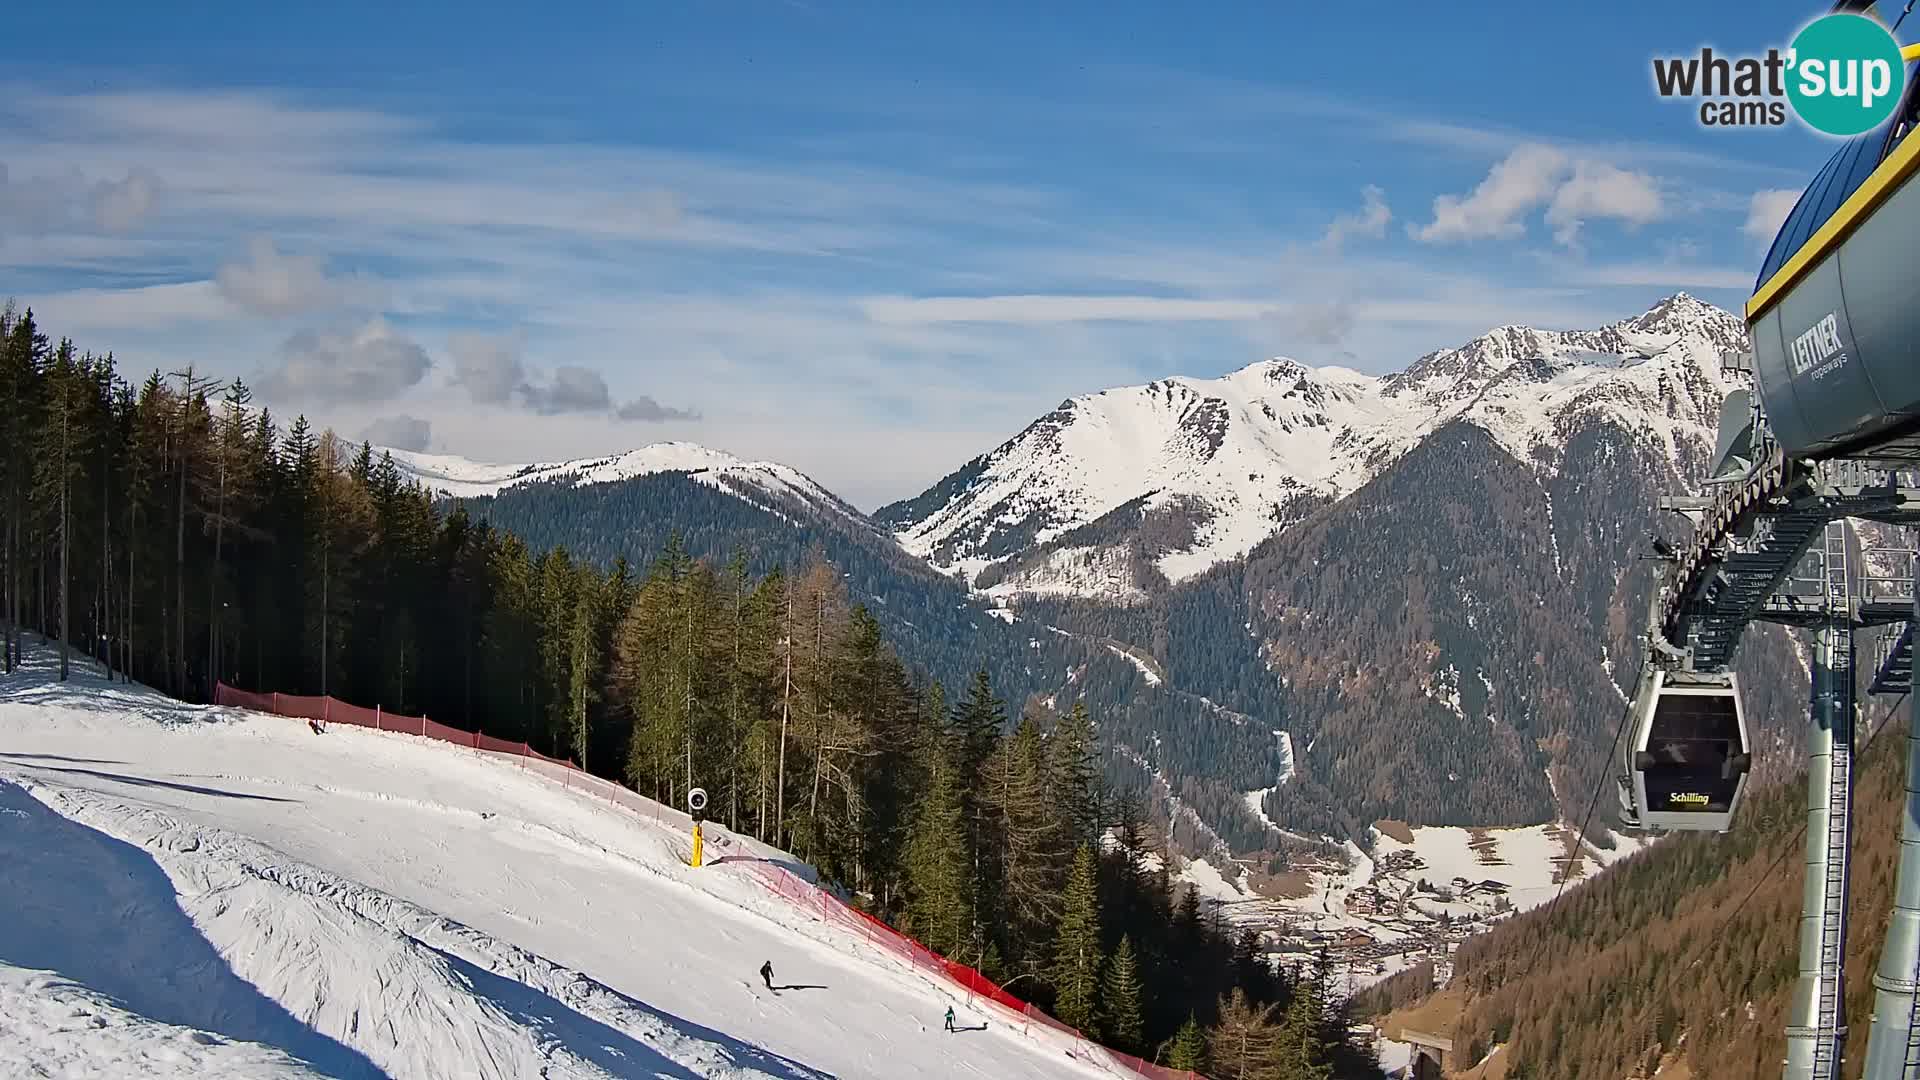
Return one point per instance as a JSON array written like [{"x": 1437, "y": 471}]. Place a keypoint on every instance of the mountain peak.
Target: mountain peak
[
  {"x": 1189, "y": 472},
  {"x": 1680, "y": 313}
]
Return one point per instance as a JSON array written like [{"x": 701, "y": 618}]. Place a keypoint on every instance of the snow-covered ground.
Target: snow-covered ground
[
  {"x": 1525, "y": 860},
  {"x": 194, "y": 889}
]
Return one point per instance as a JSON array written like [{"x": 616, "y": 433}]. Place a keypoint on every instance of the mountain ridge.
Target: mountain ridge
[{"x": 1229, "y": 462}]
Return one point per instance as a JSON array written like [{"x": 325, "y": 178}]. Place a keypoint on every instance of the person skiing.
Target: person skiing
[
  {"x": 766, "y": 973},
  {"x": 949, "y": 1018}
]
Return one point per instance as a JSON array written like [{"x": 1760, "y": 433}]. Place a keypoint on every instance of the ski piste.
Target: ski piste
[{"x": 431, "y": 910}]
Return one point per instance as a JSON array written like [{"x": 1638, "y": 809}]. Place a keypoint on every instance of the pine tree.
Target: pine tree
[
  {"x": 977, "y": 724},
  {"x": 1075, "y": 774},
  {"x": 1028, "y": 835},
  {"x": 1302, "y": 1052},
  {"x": 939, "y": 879},
  {"x": 1189, "y": 1047},
  {"x": 59, "y": 464},
  {"x": 1251, "y": 971},
  {"x": 1120, "y": 1000},
  {"x": 1076, "y": 963}
]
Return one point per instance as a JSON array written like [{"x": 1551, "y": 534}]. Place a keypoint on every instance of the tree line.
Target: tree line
[{"x": 178, "y": 535}]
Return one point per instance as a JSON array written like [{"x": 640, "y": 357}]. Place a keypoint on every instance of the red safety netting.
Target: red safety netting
[
  {"x": 329, "y": 710},
  {"x": 812, "y": 898},
  {"x": 805, "y": 895}
]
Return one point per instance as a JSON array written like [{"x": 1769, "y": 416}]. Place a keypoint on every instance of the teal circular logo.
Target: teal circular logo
[{"x": 1845, "y": 74}]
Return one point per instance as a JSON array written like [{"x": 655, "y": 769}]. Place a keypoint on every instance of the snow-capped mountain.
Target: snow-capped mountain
[
  {"x": 757, "y": 482},
  {"x": 1112, "y": 492}
]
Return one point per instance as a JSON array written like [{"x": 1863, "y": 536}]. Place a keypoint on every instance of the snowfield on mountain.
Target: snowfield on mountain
[
  {"x": 1225, "y": 463},
  {"x": 195, "y": 889},
  {"x": 757, "y": 482}
]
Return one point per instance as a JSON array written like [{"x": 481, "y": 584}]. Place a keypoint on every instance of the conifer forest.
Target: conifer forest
[{"x": 164, "y": 527}]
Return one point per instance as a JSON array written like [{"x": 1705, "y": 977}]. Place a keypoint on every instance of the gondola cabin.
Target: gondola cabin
[{"x": 1688, "y": 760}]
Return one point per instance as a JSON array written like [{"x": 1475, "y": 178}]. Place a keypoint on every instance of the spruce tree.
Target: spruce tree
[
  {"x": 1028, "y": 838},
  {"x": 1120, "y": 999},
  {"x": 1189, "y": 1047},
  {"x": 1076, "y": 964},
  {"x": 1302, "y": 1052},
  {"x": 939, "y": 876},
  {"x": 1075, "y": 774}
]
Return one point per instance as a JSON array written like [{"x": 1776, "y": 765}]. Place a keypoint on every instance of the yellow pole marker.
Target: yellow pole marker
[{"x": 698, "y": 843}]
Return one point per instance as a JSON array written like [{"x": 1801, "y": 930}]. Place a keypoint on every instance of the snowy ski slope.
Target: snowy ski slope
[{"x": 194, "y": 889}]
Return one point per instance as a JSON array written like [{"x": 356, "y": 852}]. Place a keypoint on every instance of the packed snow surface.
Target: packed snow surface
[{"x": 195, "y": 890}]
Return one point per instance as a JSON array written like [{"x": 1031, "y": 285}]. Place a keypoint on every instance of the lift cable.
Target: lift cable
[
  {"x": 1567, "y": 874},
  {"x": 1793, "y": 845},
  {"x": 1580, "y": 836}
]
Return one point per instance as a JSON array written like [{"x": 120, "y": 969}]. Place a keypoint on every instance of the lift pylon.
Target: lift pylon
[{"x": 1817, "y": 1024}]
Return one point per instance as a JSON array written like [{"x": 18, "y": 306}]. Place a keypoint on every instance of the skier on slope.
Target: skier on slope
[
  {"x": 949, "y": 1018},
  {"x": 766, "y": 973}
]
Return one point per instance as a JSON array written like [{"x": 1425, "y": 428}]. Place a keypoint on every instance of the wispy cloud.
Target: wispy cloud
[
  {"x": 1767, "y": 211},
  {"x": 401, "y": 432},
  {"x": 1599, "y": 190},
  {"x": 1040, "y": 309},
  {"x": 271, "y": 283},
  {"x": 1371, "y": 221},
  {"x": 531, "y": 299},
  {"x": 1522, "y": 182},
  {"x": 369, "y": 363}
]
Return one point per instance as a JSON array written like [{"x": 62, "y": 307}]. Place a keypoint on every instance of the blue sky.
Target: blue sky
[{"x": 868, "y": 240}]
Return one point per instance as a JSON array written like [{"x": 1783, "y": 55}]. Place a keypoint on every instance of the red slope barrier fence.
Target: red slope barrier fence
[{"x": 804, "y": 894}]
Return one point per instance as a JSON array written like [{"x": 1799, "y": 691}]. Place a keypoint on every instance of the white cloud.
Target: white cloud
[
  {"x": 1042, "y": 309},
  {"x": 119, "y": 205},
  {"x": 270, "y": 283},
  {"x": 644, "y": 409},
  {"x": 1318, "y": 323},
  {"x": 1599, "y": 190},
  {"x": 1522, "y": 182},
  {"x": 1574, "y": 190},
  {"x": 371, "y": 363},
  {"x": 68, "y": 201},
  {"x": 1767, "y": 211},
  {"x": 400, "y": 432},
  {"x": 816, "y": 303},
  {"x": 1663, "y": 275},
  {"x": 145, "y": 307},
  {"x": 1371, "y": 221},
  {"x": 572, "y": 389},
  {"x": 488, "y": 365}
]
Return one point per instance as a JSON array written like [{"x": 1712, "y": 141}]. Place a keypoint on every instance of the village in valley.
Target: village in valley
[{"x": 1411, "y": 898}]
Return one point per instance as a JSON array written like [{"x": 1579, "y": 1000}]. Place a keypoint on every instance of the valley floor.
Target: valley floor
[{"x": 196, "y": 889}]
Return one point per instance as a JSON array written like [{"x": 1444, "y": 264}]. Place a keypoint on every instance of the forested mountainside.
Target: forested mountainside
[
  {"x": 1684, "y": 952},
  {"x": 1202, "y": 754},
  {"x": 928, "y": 615},
  {"x": 175, "y": 536},
  {"x": 1438, "y": 641},
  {"x": 1444, "y": 634}
]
